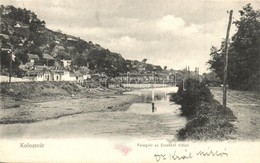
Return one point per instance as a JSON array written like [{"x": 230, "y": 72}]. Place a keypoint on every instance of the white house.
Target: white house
[
  {"x": 66, "y": 63},
  {"x": 67, "y": 76}
]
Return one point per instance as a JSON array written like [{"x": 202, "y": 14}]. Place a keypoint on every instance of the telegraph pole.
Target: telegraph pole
[
  {"x": 11, "y": 64},
  {"x": 226, "y": 60},
  {"x": 175, "y": 78},
  {"x": 10, "y": 68}
]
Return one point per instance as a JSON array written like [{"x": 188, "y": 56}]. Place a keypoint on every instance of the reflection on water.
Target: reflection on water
[
  {"x": 166, "y": 113},
  {"x": 159, "y": 96}
]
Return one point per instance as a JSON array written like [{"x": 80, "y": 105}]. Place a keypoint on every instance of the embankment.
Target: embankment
[
  {"x": 207, "y": 118},
  {"x": 37, "y": 101}
]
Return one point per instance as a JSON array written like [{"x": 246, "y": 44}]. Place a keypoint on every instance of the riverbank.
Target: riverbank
[
  {"x": 38, "y": 101},
  {"x": 212, "y": 122},
  {"x": 106, "y": 114},
  {"x": 208, "y": 120}
]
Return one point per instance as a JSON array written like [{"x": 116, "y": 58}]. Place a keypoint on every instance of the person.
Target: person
[{"x": 153, "y": 107}]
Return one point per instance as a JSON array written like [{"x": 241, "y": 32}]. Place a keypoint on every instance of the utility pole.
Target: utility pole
[
  {"x": 226, "y": 61},
  {"x": 175, "y": 78},
  {"x": 10, "y": 68},
  {"x": 11, "y": 64}
]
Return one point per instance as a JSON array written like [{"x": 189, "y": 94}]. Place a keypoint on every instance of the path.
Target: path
[{"x": 246, "y": 107}]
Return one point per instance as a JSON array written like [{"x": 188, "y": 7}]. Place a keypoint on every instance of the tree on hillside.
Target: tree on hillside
[
  {"x": 244, "y": 52},
  {"x": 144, "y": 60}
]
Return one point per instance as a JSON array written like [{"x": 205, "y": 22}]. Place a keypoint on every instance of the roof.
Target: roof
[
  {"x": 72, "y": 39},
  {"x": 158, "y": 67},
  {"x": 57, "y": 71},
  {"x": 78, "y": 73},
  {"x": 40, "y": 67},
  {"x": 17, "y": 25},
  {"x": 84, "y": 69},
  {"x": 38, "y": 72},
  {"x": 33, "y": 56},
  {"x": 47, "y": 56}
]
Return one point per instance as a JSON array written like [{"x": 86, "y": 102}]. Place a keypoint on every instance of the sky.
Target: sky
[{"x": 172, "y": 33}]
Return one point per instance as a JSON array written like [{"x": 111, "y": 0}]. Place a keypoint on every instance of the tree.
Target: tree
[
  {"x": 144, "y": 60},
  {"x": 244, "y": 52},
  {"x": 217, "y": 61}
]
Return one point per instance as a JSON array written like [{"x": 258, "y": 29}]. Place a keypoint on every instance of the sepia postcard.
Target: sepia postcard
[{"x": 130, "y": 81}]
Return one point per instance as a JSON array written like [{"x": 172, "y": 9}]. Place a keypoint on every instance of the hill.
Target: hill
[{"x": 23, "y": 33}]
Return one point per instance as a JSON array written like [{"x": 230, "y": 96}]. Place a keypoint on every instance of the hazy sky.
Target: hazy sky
[{"x": 175, "y": 33}]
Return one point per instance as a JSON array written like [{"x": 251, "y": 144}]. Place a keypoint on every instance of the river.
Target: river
[{"x": 137, "y": 122}]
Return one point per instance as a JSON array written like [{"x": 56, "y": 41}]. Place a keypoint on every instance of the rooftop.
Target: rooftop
[
  {"x": 33, "y": 56},
  {"x": 47, "y": 56}
]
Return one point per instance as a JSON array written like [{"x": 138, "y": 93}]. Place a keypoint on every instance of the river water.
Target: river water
[{"x": 137, "y": 122}]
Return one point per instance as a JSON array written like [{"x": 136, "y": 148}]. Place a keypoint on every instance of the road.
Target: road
[{"x": 246, "y": 107}]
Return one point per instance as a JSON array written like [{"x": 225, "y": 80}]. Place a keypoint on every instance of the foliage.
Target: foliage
[
  {"x": 244, "y": 53},
  {"x": 207, "y": 118},
  {"x": 212, "y": 122},
  {"x": 211, "y": 79},
  {"x": 189, "y": 98}
]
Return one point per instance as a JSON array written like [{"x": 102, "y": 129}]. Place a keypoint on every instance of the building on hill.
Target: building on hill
[
  {"x": 17, "y": 25},
  {"x": 158, "y": 68},
  {"x": 7, "y": 10},
  {"x": 39, "y": 75},
  {"x": 72, "y": 42},
  {"x": 47, "y": 59},
  {"x": 43, "y": 73},
  {"x": 66, "y": 63},
  {"x": 82, "y": 75},
  {"x": 21, "y": 30},
  {"x": 33, "y": 58},
  {"x": 85, "y": 71}
]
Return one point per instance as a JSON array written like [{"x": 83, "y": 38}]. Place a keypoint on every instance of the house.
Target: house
[
  {"x": 79, "y": 76},
  {"x": 39, "y": 75},
  {"x": 17, "y": 25},
  {"x": 66, "y": 63},
  {"x": 85, "y": 71},
  {"x": 7, "y": 10},
  {"x": 22, "y": 30},
  {"x": 44, "y": 74},
  {"x": 157, "y": 68},
  {"x": 57, "y": 75},
  {"x": 82, "y": 75},
  {"x": 33, "y": 57},
  {"x": 72, "y": 41},
  {"x": 67, "y": 76},
  {"x": 47, "y": 59}
]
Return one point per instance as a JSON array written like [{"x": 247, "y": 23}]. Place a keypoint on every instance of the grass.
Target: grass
[
  {"x": 207, "y": 118},
  {"x": 211, "y": 122}
]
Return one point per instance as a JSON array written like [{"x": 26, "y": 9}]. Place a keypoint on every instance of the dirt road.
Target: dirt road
[{"x": 246, "y": 107}]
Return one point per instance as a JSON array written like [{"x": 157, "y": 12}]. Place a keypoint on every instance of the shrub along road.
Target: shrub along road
[
  {"x": 246, "y": 107},
  {"x": 207, "y": 119}
]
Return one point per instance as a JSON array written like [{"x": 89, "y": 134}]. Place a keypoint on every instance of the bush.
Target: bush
[
  {"x": 212, "y": 121},
  {"x": 191, "y": 96}
]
